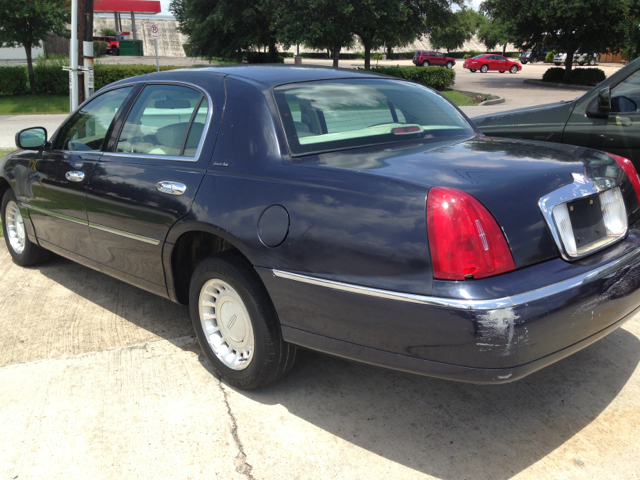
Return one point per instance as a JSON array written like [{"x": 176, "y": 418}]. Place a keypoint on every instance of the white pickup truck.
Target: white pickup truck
[{"x": 581, "y": 58}]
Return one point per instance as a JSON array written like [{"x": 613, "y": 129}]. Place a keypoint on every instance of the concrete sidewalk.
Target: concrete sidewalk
[{"x": 101, "y": 380}]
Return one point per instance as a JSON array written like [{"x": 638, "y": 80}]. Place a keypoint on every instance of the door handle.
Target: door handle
[
  {"x": 75, "y": 176},
  {"x": 172, "y": 188}
]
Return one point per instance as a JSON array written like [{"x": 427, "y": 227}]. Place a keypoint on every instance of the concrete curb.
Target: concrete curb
[
  {"x": 540, "y": 83},
  {"x": 493, "y": 101}
]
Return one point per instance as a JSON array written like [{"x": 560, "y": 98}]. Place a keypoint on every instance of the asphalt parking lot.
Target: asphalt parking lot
[{"x": 99, "y": 379}]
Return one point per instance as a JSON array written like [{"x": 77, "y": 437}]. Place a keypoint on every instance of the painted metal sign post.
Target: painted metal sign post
[{"x": 155, "y": 34}]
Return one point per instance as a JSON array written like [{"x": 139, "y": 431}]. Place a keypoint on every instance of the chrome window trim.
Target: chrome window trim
[
  {"x": 205, "y": 131},
  {"x": 122, "y": 233},
  {"x": 582, "y": 186},
  {"x": 462, "y": 304},
  {"x": 114, "y": 231}
]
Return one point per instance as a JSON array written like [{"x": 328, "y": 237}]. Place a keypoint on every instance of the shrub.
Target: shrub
[
  {"x": 262, "y": 57},
  {"x": 187, "y": 49},
  {"x": 554, "y": 74},
  {"x": 13, "y": 80},
  {"x": 51, "y": 79},
  {"x": 549, "y": 57},
  {"x": 108, "y": 32},
  {"x": 579, "y": 76},
  {"x": 99, "y": 49},
  {"x": 103, "y": 75},
  {"x": 434, "y": 77}
]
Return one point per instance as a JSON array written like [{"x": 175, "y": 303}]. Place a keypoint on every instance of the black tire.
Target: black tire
[
  {"x": 115, "y": 51},
  {"x": 484, "y": 68},
  {"x": 513, "y": 69},
  {"x": 32, "y": 254},
  {"x": 557, "y": 64},
  {"x": 449, "y": 65},
  {"x": 501, "y": 71},
  {"x": 472, "y": 70},
  {"x": 272, "y": 357},
  {"x": 592, "y": 61}
]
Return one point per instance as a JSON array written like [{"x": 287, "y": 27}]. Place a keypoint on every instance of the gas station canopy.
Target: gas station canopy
[{"x": 148, "y": 7}]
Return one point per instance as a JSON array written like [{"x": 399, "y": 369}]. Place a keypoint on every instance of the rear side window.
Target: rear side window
[
  {"x": 165, "y": 120},
  {"x": 331, "y": 115}
]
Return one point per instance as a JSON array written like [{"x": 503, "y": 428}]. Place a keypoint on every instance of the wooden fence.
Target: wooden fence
[{"x": 55, "y": 45}]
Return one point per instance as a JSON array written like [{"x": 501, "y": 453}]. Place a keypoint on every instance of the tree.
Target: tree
[
  {"x": 108, "y": 32},
  {"x": 630, "y": 46},
  {"x": 26, "y": 23},
  {"x": 591, "y": 25},
  {"x": 226, "y": 28},
  {"x": 492, "y": 33},
  {"x": 397, "y": 22},
  {"x": 455, "y": 29},
  {"x": 318, "y": 24}
]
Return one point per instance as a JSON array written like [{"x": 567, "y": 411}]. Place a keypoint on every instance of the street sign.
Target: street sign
[{"x": 155, "y": 31}]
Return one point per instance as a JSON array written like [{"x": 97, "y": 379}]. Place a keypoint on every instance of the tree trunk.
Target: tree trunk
[
  {"x": 367, "y": 52},
  {"x": 335, "y": 53},
  {"x": 568, "y": 64},
  {"x": 504, "y": 49},
  {"x": 273, "y": 50},
  {"x": 32, "y": 77}
]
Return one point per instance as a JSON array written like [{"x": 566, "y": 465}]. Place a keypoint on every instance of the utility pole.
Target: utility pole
[
  {"x": 87, "y": 50},
  {"x": 73, "y": 58},
  {"x": 82, "y": 33}
]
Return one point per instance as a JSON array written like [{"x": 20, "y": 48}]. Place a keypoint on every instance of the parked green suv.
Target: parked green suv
[{"x": 605, "y": 118}]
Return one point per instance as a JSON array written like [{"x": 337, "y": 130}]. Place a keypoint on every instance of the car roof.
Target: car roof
[{"x": 272, "y": 75}]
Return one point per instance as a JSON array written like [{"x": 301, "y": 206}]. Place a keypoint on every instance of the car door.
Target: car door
[
  {"x": 148, "y": 179},
  {"x": 440, "y": 59},
  {"x": 501, "y": 63},
  {"x": 58, "y": 185},
  {"x": 619, "y": 132}
]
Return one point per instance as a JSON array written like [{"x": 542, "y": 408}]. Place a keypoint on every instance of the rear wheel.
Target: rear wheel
[
  {"x": 513, "y": 69},
  {"x": 24, "y": 252},
  {"x": 557, "y": 64},
  {"x": 472, "y": 70},
  {"x": 592, "y": 61},
  {"x": 236, "y": 323},
  {"x": 425, "y": 63},
  {"x": 449, "y": 65},
  {"x": 484, "y": 68},
  {"x": 501, "y": 71},
  {"x": 115, "y": 51}
]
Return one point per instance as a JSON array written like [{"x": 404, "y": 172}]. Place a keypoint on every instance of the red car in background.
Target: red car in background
[
  {"x": 426, "y": 58},
  {"x": 488, "y": 61},
  {"x": 113, "y": 46}
]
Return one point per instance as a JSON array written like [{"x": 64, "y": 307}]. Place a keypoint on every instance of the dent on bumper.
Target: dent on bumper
[{"x": 493, "y": 340}]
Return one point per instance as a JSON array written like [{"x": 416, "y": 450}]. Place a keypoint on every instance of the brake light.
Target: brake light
[
  {"x": 412, "y": 129},
  {"x": 627, "y": 167},
  {"x": 465, "y": 240}
]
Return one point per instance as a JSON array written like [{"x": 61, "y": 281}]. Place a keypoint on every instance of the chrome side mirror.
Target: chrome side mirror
[{"x": 31, "y": 138}]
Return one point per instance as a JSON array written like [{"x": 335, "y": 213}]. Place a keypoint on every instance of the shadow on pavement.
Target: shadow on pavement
[{"x": 452, "y": 430}]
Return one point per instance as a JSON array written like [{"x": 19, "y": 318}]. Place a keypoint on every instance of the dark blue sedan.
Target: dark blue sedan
[{"x": 345, "y": 212}]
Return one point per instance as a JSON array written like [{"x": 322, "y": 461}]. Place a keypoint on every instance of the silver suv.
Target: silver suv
[{"x": 579, "y": 57}]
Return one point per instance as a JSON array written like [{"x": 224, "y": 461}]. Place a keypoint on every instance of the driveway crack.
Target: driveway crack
[{"x": 240, "y": 459}]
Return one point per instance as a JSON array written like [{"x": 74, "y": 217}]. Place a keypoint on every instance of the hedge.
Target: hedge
[
  {"x": 99, "y": 48},
  {"x": 434, "y": 77},
  {"x": 13, "y": 80},
  {"x": 579, "y": 76}
]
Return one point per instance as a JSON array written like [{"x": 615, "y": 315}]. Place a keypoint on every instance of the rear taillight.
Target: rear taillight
[
  {"x": 627, "y": 167},
  {"x": 465, "y": 240}
]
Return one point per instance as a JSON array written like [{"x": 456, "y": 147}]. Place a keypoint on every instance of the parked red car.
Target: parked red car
[
  {"x": 486, "y": 62},
  {"x": 113, "y": 46},
  {"x": 424, "y": 59}
]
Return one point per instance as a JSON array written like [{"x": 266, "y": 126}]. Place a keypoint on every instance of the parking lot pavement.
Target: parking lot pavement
[{"x": 101, "y": 380}]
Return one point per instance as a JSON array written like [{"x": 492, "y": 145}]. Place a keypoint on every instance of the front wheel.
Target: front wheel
[
  {"x": 513, "y": 69},
  {"x": 449, "y": 65},
  {"x": 501, "y": 71},
  {"x": 592, "y": 61},
  {"x": 115, "y": 51},
  {"x": 484, "y": 68},
  {"x": 236, "y": 323},
  {"x": 425, "y": 63},
  {"x": 24, "y": 252}
]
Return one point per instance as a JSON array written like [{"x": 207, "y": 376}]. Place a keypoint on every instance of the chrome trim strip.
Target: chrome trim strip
[
  {"x": 462, "y": 304},
  {"x": 57, "y": 215},
  {"x": 121, "y": 233},
  {"x": 133, "y": 236}
]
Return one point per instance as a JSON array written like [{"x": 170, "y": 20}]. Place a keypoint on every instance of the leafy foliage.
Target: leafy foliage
[
  {"x": 438, "y": 78},
  {"x": 13, "y": 80},
  {"x": 456, "y": 29},
  {"x": 580, "y": 76},
  {"x": 592, "y": 25},
  {"x": 549, "y": 57},
  {"x": 493, "y": 32},
  {"x": 108, "y": 32},
  {"x": 99, "y": 48},
  {"x": 25, "y": 23}
]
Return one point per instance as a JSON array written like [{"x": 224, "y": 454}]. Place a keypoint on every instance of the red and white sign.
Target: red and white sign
[{"x": 155, "y": 31}]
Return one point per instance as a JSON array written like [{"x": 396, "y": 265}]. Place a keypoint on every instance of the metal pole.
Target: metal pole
[
  {"x": 115, "y": 21},
  {"x": 73, "y": 57},
  {"x": 133, "y": 26},
  {"x": 155, "y": 42}
]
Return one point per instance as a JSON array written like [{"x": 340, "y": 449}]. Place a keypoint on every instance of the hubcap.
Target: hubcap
[
  {"x": 15, "y": 228},
  {"x": 226, "y": 324}
]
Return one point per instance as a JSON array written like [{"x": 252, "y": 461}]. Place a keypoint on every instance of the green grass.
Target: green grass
[
  {"x": 460, "y": 99},
  {"x": 33, "y": 104}
]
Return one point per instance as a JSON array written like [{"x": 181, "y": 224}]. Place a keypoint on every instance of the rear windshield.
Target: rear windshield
[
  {"x": 337, "y": 114},
  {"x": 480, "y": 56}
]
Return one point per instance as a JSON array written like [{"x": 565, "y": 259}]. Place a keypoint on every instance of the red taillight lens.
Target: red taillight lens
[
  {"x": 627, "y": 167},
  {"x": 465, "y": 240},
  {"x": 405, "y": 130}
]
